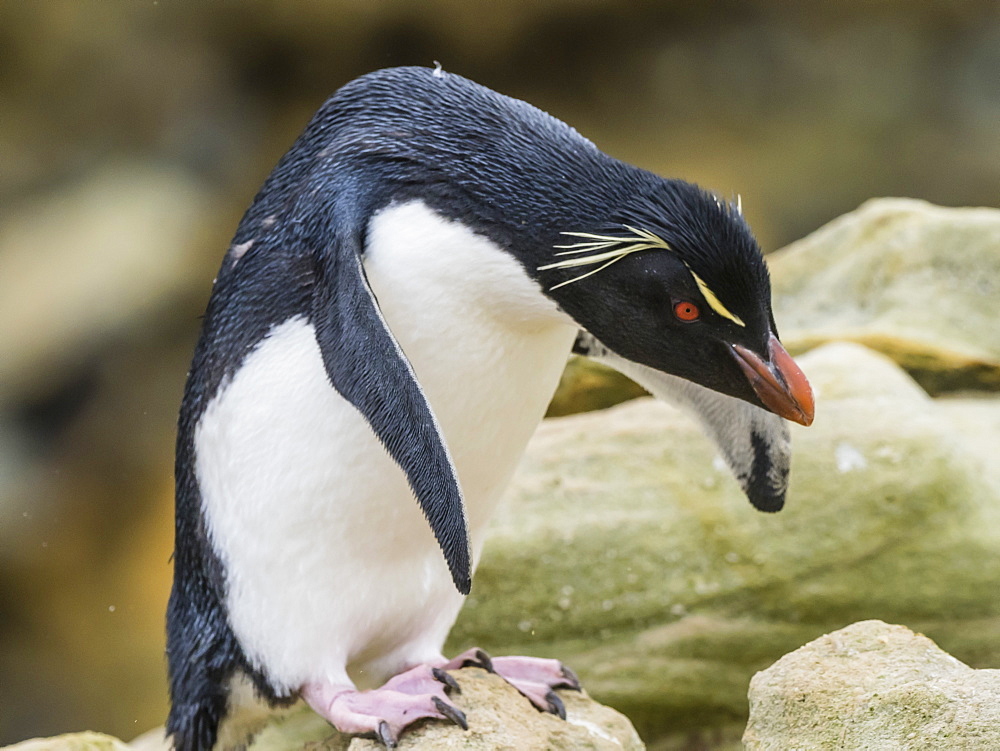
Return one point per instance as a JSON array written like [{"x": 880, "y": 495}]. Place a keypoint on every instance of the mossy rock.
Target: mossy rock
[
  {"x": 587, "y": 385},
  {"x": 626, "y": 549},
  {"x": 918, "y": 282}
]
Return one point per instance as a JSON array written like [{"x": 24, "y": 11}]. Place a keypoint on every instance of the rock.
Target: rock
[
  {"x": 625, "y": 548},
  {"x": 872, "y": 685},
  {"x": 86, "y": 741},
  {"x": 151, "y": 740},
  {"x": 587, "y": 385},
  {"x": 96, "y": 259},
  {"x": 915, "y": 281},
  {"x": 975, "y": 418},
  {"x": 500, "y": 719}
]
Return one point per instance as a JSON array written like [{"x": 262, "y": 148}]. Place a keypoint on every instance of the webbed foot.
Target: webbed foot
[
  {"x": 416, "y": 694},
  {"x": 535, "y": 677}
]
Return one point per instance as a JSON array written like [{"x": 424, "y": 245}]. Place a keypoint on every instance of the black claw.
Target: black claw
[
  {"x": 450, "y": 683},
  {"x": 556, "y": 704},
  {"x": 454, "y": 714},
  {"x": 571, "y": 680},
  {"x": 484, "y": 661},
  {"x": 385, "y": 735}
]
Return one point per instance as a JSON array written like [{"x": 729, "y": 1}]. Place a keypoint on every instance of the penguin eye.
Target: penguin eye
[{"x": 686, "y": 311}]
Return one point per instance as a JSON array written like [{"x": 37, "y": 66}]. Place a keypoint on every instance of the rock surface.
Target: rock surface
[
  {"x": 627, "y": 551},
  {"x": 500, "y": 719},
  {"x": 86, "y": 741},
  {"x": 587, "y": 385},
  {"x": 873, "y": 686},
  {"x": 919, "y": 282}
]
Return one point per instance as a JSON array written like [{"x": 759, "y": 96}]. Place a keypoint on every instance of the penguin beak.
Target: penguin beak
[{"x": 780, "y": 384}]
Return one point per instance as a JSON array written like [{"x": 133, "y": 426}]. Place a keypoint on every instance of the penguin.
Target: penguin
[{"x": 383, "y": 337}]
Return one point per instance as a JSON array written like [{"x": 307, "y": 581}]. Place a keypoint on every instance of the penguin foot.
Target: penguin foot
[
  {"x": 416, "y": 694},
  {"x": 535, "y": 677}
]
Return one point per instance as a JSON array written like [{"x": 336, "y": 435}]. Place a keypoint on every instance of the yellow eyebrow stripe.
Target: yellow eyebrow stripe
[
  {"x": 594, "y": 249},
  {"x": 713, "y": 302},
  {"x": 603, "y": 249}
]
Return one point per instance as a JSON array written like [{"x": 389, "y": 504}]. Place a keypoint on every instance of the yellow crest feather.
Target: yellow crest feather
[
  {"x": 603, "y": 249},
  {"x": 608, "y": 249}
]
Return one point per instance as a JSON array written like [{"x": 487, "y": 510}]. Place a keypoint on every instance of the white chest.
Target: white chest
[
  {"x": 485, "y": 344},
  {"x": 328, "y": 558}
]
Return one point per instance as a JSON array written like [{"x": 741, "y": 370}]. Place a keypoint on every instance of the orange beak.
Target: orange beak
[{"x": 780, "y": 384}]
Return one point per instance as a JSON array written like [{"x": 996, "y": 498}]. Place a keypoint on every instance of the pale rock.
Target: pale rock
[
  {"x": 919, "y": 282},
  {"x": 84, "y": 741},
  {"x": 623, "y": 549},
  {"x": 500, "y": 719},
  {"x": 873, "y": 686}
]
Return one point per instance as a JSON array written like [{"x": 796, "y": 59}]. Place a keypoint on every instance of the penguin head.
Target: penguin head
[{"x": 676, "y": 281}]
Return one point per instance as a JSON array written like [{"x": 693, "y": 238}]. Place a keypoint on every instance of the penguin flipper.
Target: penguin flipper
[
  {"x": 366, "y": 365},
  {"x": 754, "y": 442}
]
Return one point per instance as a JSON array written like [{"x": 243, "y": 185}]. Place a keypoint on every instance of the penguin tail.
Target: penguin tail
[
  {"x": 194, "y": 726},
  {"x": 216, "y": 700},
  {"x": 223, "y": 717},
  {"x": 202, "y": 657},
  {"x": 198, "y": 699}
]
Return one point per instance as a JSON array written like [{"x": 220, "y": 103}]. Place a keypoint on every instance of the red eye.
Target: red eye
[{"x": 686, "y": 311}]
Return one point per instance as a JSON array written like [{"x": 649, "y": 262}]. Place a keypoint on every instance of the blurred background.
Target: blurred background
[{"x": 134, "y": 133}]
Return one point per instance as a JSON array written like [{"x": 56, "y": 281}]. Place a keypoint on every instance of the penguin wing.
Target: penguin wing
[
  {"x": 367, "y": 367},
  {"x": 754, "y": 442}
]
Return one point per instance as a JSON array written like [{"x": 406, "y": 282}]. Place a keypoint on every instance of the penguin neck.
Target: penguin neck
[{"x": 485, "y": 343}]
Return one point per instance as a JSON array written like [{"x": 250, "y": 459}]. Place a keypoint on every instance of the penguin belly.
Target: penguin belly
[{"x": 332, "y": 572}]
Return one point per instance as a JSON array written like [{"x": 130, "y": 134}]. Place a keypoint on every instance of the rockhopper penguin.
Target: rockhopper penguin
[{"x": 390, "y": 322}]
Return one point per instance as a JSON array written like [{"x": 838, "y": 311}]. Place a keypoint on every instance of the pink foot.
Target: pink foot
[
  {"x": 535, "y": 677},
  {"x": 416, "y": 694}
]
